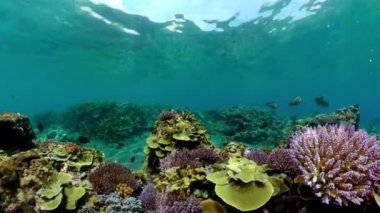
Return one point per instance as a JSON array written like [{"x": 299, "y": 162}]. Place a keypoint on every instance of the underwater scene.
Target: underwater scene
[{"x": 190, "y": 106}]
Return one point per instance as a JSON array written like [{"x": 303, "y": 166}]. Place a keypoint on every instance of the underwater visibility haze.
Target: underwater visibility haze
[{"x": 189, "y": 106}]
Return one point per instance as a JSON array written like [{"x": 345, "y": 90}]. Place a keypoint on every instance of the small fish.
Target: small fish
[
  {"x": 271, "y": 104},
  {"x": 133, "y": 159},
  {"x": 321, "y": 101},
  {"x": 40, "y": 127},
  {"x": 83, "y": 139},
  {"x": 295, "y": 101}
]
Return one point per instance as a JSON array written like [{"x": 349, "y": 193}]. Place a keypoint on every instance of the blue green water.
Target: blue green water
[{"x": 220, "y": 53}]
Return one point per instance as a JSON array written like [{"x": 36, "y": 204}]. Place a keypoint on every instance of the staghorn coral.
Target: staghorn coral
[
  {"x": 185, "y": 157},
  {"x": 281, "y": 160},
  {"x": 337, "y": 162},
  {"x": 106, "y": 177},
  {"x": 174, "y": 203},
  {"x": 259, "y": 156},
  {"x": 148, "y": 197},
  {"x": 278, "y": 159}
]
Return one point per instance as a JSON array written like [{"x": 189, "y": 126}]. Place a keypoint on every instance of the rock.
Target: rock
[{"x": 16, "y": 132}]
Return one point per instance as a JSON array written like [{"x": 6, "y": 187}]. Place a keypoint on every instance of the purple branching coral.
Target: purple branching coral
[
  {"x": 148, "y": 197},
  {"x": 259, "y": 156},
  {"x": 105, "y": 178},
  {"x": 281, "y": 159},
  {"x": 340, "y": 164},
  {"x": 173, "y": 203},
  {"x": 278, "y": 159},
  {"x": 166, "y": 115},
  {"x": 186, "y": 157}
]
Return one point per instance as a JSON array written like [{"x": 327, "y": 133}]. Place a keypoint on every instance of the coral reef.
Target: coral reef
[
  {"x": 148, "y": 197},
  {"x": 106, "y": 178},
  {"x": 185, "y": 157},
  {"x": 249, "y": 125},
  {"x": 109, "y": 121},
  {"x": 16, "y": 132},
  {"x": 174, "y": 203},
  {"x": 46, "y": 176},
  {"x": 175, "y": 132},
  {"x": 348, "y": 115},
  {"x": 243, "y": 184},
  {"x": 330, "y": 168},
  {"x": 337, "y": 162},
  {"x": 182, "y": 180},
  {"x": 279, "y": 159},
  {"x": 115, "y": 204}
]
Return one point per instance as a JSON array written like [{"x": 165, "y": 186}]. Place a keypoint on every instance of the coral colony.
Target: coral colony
[{"x": 325, "y": 164}]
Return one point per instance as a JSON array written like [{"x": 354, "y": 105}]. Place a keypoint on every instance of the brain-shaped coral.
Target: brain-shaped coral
[{"x": 337, "y": 162}]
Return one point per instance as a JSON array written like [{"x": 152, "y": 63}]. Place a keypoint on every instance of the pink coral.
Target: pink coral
[{"x": 337, "y": 162}]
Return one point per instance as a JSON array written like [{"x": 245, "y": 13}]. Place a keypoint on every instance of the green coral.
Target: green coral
[
  {"x": 41, "y": 176},
  {"x": 180, "y": 179},
  {"x": 85, "y": 157},
  {"x": 50, "y": 204},
  {"x": 50, "y": 197},
  {"x": 73, "y": 194},
  {"x": 243, "y": 184},
  {"x": 176, "y": 131}
]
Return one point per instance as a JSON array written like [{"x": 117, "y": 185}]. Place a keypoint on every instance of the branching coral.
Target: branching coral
[
  {"x": 185, "y": 157},
  {"x": 174, "y": 203},
  {"x": 337, "y": 162},
  {"x": 116, "y": 204},
  {"x": 106, "y": 177},
  {"x": 278, "y": 159},
  {"x": 148, "y": 197}
]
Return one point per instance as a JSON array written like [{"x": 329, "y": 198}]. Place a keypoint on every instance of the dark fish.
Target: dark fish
[
  {"x": 295, "y": 101},
  {"x": 40, "y": 127},
  {"x": 83, "y": 139},
  {"x": 272, "y": 105},
  {"x": 321, "y": 101},
  {"x": 133, "y": 159}
]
